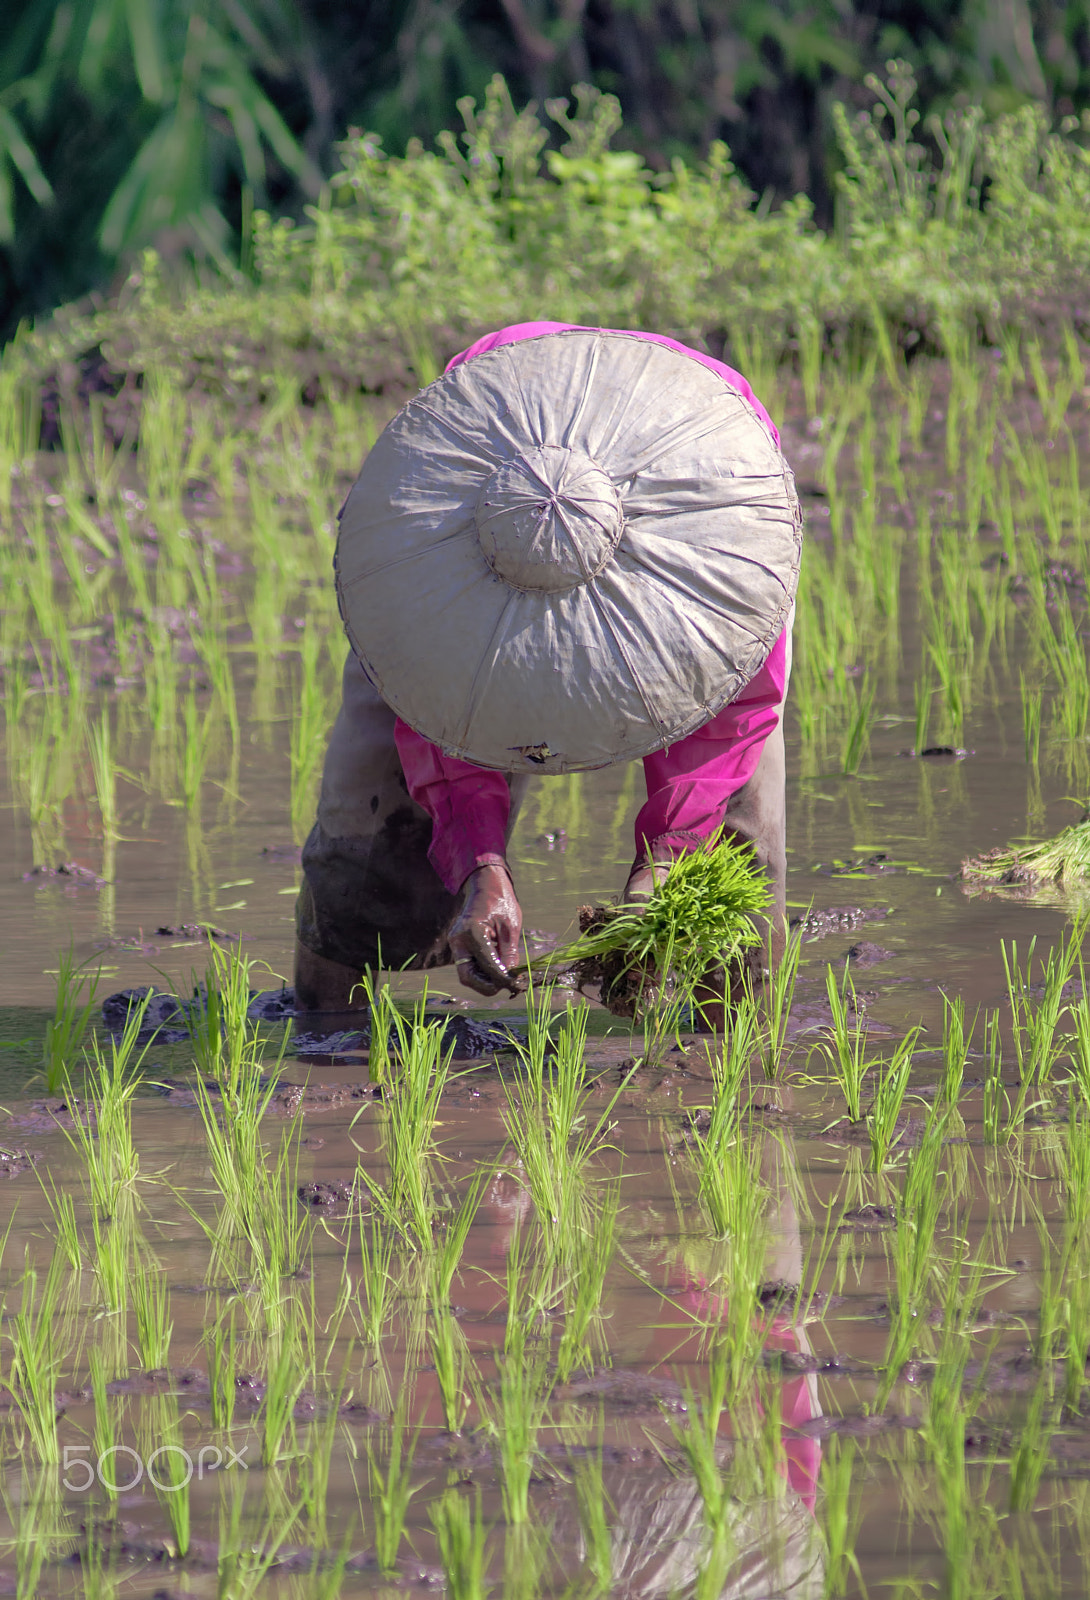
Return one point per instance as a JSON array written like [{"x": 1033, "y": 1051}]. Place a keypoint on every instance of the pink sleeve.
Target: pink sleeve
[
  {"x": 689, "y": 783},
  {"x": 468, "y": 806}
]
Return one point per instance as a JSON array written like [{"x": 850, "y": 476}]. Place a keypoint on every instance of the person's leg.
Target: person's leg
[{"x": 370, "y": 896}]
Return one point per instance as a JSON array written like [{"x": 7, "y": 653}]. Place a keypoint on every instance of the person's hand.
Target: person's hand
[{"x": 484, "y": 940}]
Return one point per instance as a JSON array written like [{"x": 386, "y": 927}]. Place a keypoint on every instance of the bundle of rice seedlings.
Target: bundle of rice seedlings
[
  {"x": 699, "y": 915},
  {"x": 1062, "y": 862}
]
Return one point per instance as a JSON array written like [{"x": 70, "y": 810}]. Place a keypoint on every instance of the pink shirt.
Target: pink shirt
[{"x": 688, "y": 783}]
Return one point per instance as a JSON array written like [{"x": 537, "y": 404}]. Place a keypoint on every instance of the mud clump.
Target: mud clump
[
  {"x": 836, "y": 919},
  {"x": 866, "y": 954}
]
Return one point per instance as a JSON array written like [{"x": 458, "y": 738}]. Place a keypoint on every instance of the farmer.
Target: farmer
[{"x": 577, "y": 547}]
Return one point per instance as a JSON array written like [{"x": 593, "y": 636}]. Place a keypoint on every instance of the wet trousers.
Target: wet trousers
[{"x": 371, "y": 897}]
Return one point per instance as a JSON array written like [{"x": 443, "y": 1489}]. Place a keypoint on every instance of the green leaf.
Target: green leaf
[
  {"x": 147, "y": 51},
  {"x": 14, "y": 143}
]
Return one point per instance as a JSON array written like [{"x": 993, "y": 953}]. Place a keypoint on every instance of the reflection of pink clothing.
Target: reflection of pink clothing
[{"x": 688, "y": 783}]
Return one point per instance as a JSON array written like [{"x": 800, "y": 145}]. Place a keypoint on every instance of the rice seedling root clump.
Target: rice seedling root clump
[{"x": 1061, "y": 863}]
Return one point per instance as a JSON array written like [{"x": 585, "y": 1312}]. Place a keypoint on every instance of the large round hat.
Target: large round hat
[{"x": 569, "y": 551}]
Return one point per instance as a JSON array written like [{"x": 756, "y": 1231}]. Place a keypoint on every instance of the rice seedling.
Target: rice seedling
[
  {"x": 462, "y": 1539},
  {"x": 956, "y": 1044},
  {"x": 697, "y": 917},
  {"x": 592, "y": 1503},
  {"x": 857, "y": 736},
  {"x": 547, "y": 1116},
  {"x": 150, "y": 1302},
  {"x": 447, "y": 1256},
  {"x": 997, "y": 1111},
  {"x": 407, "y": 1121},
  {"x": 845, "y": 1050},
  {"x": 455, "y": 1371},
  {"x": 1062, "y": 862},
  {"x": 1030, "y": 1456},
  {"x": 1031, "y": 720},
  {"x": 390, "y": 1488},
  {"x": 779, "y": 993},
  {"x": 889, "y": 1094},
  {"x": 1036, "y": 1017}
]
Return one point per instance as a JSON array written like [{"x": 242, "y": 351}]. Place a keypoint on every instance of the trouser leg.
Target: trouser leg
[{"x": 370, "y": 896}]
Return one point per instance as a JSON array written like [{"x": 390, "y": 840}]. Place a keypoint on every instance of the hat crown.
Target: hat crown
[{"x": 549, "y": 519}]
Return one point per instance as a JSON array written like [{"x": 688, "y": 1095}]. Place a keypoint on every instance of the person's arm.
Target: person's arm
[
  {"x": 689, "y": 783},
  {"x": 469, "y": 808}
]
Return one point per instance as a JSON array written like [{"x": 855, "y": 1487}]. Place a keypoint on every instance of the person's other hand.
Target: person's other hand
[{"x": 484, "y": 940}]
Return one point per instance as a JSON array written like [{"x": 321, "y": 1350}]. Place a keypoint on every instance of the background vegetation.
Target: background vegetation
[{"x": 127, "y": 123}]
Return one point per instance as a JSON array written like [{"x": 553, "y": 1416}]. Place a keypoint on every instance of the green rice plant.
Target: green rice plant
[
  {"x": 410, "y": 1108},
  {"x": 956, "y": 1044},
  {"x": 77, "y": 993},
  {"x": 453, "y": 1366},
  {"x": 391, "y": 1488},
  {"x": 698, "y": 1441},
  {"x": 696, "y": 918},
  {"x": 889, "y": 1095},
  {"x": 150, "y": 1300},
  {"x": 1031, "y": 1453},
  {"x": 376, "y": 1279},
  {"x": 779, "y": 993},
  {"x": 841, "y": 1514},
  {"x": 857, "y": 736},
  {"x": 845, "y": 1050},
  {"x": 997, "y": 1105},
  {"x": 462, "y": 1539},
  {"x": 66, "y": 1228},
  {"x": 923, "y": 693},
  {"x": 1035, "y": 1018},
  {"x": 447, "y": 1256},
  {"x": 35, "y": 1369},
  {"x": 102, "y": 1136},
  {"x": 548, "y": 1116},
  {"x": 100, "y": 745},
  {"x": 714, "y": 1149},
  {"x": 1031, "y": 720}
]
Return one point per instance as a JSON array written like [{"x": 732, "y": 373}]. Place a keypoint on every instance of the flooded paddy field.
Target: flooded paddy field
[{"x": 803, "y": 1311}]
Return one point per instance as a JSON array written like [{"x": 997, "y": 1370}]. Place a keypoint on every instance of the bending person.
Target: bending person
[{"x": 578, "y": 547}]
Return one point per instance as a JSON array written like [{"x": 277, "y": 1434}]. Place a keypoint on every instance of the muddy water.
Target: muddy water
[{"x": 882, "y": 849}]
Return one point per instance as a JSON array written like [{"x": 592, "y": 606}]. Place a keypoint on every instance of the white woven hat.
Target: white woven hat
[{"x": 569, "y": 551}]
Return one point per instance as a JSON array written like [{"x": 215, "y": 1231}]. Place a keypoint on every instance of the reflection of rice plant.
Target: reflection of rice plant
[
  {"x": 35, "y": 1359},
  {"x": 67, "y": 1028},
  {"x": 462, "y": 1537},
  {"x": 390, "y": 1489}
]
